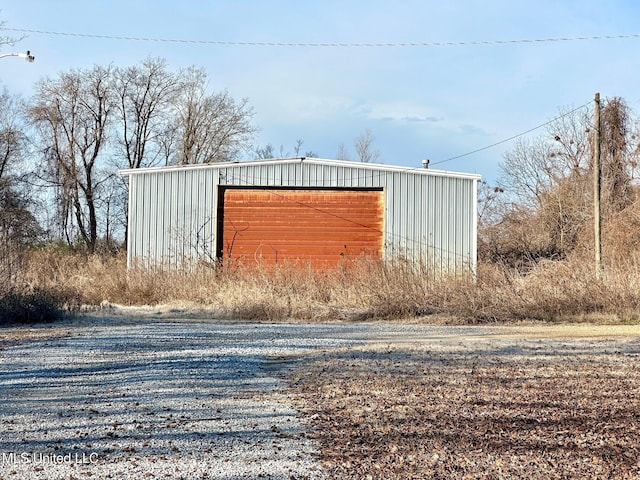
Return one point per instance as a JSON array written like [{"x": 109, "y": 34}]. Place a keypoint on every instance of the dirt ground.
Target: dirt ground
[{"x": 531, "y": 402}]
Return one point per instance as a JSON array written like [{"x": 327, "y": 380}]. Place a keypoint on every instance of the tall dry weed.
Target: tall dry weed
[{"x": 360, "y": 289}]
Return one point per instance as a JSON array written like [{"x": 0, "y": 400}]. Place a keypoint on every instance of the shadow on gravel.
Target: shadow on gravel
[{"x": 187, "y": 399}]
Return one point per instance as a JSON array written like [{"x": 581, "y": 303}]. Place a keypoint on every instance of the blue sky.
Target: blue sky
[{"x": 433, "y": 102}]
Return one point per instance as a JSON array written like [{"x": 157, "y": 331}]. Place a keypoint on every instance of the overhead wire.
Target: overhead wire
[
  {"x": 500, "y": 142},
  {"x": 400, "y": 237},
  {"x": 342, "y": 181},
  {"x": 328, "y": 44},
  {"x": 513, "y": 137}
]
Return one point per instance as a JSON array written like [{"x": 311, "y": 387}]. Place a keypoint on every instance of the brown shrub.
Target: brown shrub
[{"x": 30, "y": 306}]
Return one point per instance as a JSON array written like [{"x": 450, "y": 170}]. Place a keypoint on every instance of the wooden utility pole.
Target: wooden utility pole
[{"x": 597, "y": 187}]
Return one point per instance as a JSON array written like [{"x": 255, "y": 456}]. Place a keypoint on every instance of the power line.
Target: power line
[
  {"x": 513, "y": 137},
  {"x": 329, "y": 44}
]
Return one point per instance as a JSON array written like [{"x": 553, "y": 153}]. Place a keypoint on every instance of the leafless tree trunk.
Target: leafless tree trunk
[
  {"x": 18, "y": 226},
  {"x": 12, "y": 137},
  {"x": 72, "y": 114},
  {"x": 144, "y": 96}
]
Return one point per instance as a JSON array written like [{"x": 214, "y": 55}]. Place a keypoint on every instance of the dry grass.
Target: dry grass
[
  {"x": 429, "y": 413},
  {"x": 360, "y": 290}
]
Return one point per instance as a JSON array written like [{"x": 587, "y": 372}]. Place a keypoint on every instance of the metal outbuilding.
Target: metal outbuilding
[{"x": 301, "y": 210}]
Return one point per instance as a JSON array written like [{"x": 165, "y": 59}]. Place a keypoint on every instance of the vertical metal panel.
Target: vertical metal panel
[
  {"x": 208, "y": 213},
  {"x": 145, "y": 219},
  {"x": 429, "y": 217},
  {"x": 191, "y": 212},
  {"x": 446, "y": 223},
  {"x": 134, "y": 241},
  {"x": 129, "y": 239},
  {"x": 155, "y": 235},
  {"x": 165, "y": 204},
  {"x": 177, "y": 218}
]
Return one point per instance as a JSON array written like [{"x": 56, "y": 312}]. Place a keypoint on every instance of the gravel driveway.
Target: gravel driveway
[
  {"x": 156, "y": 399},
  {"x": 114, "y": 398}
]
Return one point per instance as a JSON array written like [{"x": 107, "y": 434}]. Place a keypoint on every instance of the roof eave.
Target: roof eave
[{"x": 313, "y": 160}]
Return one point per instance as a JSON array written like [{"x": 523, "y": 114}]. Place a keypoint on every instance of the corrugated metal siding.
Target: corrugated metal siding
[{"x": 428, "y": 215}]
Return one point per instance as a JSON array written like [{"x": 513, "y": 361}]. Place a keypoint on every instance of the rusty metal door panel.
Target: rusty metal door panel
[{"x": 320, "y": 226}]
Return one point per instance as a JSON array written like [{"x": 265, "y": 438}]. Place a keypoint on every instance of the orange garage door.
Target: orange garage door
[{"x": 321, "y": 226}]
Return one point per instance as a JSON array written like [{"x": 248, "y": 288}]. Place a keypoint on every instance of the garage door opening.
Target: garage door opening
[{"x": 318, "y": 226}]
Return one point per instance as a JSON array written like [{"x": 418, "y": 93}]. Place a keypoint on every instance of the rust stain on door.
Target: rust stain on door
[{"x": 320, "y": 226}]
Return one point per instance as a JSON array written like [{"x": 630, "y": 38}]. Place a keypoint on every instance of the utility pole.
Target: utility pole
[{"x": 597, "y": 187}]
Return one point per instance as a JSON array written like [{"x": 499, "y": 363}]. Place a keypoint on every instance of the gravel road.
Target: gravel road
[{"x": 159, "y": 399}]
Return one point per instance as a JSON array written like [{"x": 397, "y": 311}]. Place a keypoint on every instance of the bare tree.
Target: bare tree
[
  {"x": 547, "y": 185},
  {"x": 533, "y": 167},
  {"x": 12, "y": 137},
  {"x": 268, "y": 151},
  {"x": 144, "y": 114},
  {"x": 263, "y": 153},
  {"x": 364, "y": 147},
  {"x": 71, "y": 114},
  {"x": 528, "y": 170},
  {"x": 144, "y": 97},
  {"x": 18, "y": 226},
  {"x": 145, "y": 94},
  {"x": 488, "y": 203},
  {"x": 298, "y": 147},
  {"x": 343, "y": 153},
  {"x": 210, "y": 127}
]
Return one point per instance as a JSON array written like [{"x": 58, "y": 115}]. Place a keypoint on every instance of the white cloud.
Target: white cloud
[{"x": 400, "y": 112}]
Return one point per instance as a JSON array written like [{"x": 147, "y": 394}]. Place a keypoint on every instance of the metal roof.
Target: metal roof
[{"x": 312, "y": 160}]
